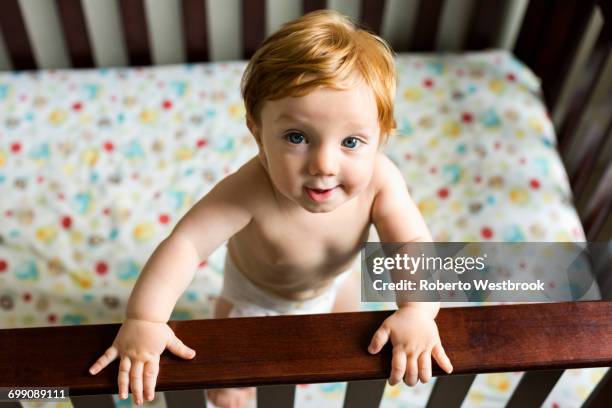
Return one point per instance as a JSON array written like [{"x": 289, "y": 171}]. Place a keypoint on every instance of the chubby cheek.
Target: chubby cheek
[
  {"x": 285, "y": 175},
  {"x": 357, "y": 178}
]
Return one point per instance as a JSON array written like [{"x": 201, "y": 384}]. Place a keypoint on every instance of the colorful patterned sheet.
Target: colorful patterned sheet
[{"x": 96, "y": 166}]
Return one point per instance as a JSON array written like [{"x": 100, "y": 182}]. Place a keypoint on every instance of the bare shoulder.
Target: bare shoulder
[
  {"x": 249, "y": 184},
  {"x": 249, "y": 173},
  {"x": 394, "y": 213},
  {"x": 226, "y": 209},
  {"x": 234, "y": 198},
  {"x": 386, "y": 174},
  {"x": 390, "y": 187}
]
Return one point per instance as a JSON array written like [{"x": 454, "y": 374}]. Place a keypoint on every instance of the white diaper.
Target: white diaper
[{"x": 250, "y": 300}]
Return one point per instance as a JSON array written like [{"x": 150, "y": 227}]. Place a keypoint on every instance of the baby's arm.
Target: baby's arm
[
  {"x": 145, "y": 335},
  {"x": 412, "y": 329},
  {"x": 214, "y": 219}
]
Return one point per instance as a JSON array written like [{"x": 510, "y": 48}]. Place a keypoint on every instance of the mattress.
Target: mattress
[{"x": 96, "y": 167}]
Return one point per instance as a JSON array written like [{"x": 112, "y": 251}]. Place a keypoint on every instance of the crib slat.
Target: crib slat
[
  {"x": 15, "y": 35},
  {"x": 364, "y": 394},
  {"x": 135, "y": 31},
  {"x": 568, "y": 100},
  {"x": 485, "y": 24},
  {"x": 530, "y": 33},
  {"x": 450, "y": 391},
  {"x": 606, "y": 9},
  {"x": 281, "y": 396},
  {"x": 93, "y": 401},
  {"x": 75, "y": 32},
  {"x": 599, "y": 210},
  {"x": 195, "y": 31},
  {"x": 372, "y": 14},
  {"x": 581, "y": 109},
  {"x": 253, "y": 26},
  {"x": 597, "y": 132},
  {"x": 581, "y": 100},
  {"x": 426, "y": 27},
  {"x": 185, "y": 398},
  {"x": 601, "y": 396},
  {"x": 548, "y": 44},
  {"x": 560, "y": 45},
  {"x": 533, "y": 389},
  {"x": 312, "y": 5}
]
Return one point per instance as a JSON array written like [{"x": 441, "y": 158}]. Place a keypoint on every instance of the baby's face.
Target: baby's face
[{"x": 319, "y": 149}]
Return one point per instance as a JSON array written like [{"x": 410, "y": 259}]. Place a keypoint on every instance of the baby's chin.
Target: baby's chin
[{"x": 319, "y": 209}]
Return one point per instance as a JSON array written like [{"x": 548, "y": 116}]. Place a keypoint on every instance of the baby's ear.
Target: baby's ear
[{"x": 254, "y": 128}]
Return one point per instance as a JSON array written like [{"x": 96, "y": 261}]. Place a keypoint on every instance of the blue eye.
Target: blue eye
[
  {"x": 295, "y": 137},
  {"x": 350, "y": 142}
]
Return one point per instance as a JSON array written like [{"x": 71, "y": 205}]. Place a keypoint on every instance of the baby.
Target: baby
[{"x": 319, "y": 101}]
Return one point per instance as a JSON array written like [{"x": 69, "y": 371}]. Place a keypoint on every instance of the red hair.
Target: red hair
[{"x": 322, "y": 48}]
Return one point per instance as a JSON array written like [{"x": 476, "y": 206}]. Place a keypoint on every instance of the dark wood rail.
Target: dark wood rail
[{"x": 316, "y": 348}]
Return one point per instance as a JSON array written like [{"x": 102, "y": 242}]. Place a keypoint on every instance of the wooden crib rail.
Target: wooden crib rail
[{"x": 316, "y": 348}]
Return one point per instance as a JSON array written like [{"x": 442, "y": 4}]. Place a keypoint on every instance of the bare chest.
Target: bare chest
[{"x": 309, "y": 241}]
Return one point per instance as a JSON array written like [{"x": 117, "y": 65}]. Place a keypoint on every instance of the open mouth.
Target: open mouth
[{"x": 319, "y": 195}]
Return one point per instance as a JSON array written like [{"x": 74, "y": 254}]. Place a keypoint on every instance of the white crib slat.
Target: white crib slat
[
  {"x": 534, "y": 388},
  {"x": 280, "y": 12},
  {"x": 165, "y": 31},
  {"x": 93, "y": 401},
  {"x": 453, "y": 24},
  {"x": 398, "y": 21},
  {"x": 104, "y": 29},
  {"x": 450, "y": 391},
  {"x": 511, "y": 24},
  {"x": 45, "y": 32},
  {"x": 364, "y": 394},
  {"x": 346, "y": 7},
  {"x": 277, "y": 396},
  {"x": 186, "y": 398},
  {"x": 225, "y": 38}
]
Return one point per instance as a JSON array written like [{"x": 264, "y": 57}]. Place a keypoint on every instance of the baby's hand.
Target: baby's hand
[
  {"x": 415, "y": 339},
  {"x": 139, "y": 344}
]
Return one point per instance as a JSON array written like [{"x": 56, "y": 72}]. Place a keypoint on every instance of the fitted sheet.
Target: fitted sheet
[{"x": 96, "y": 166}]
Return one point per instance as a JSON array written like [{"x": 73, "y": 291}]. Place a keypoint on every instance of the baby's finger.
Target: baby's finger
[
  {"x": 425, "y": 366},
  {"x": 441, "y": 358},
  {"x": 379, "y": 339},
  {"x": 108, "y": 357},
  {"x": 151, "y": 369},
  {"x": 398, "y": 366},
  {"x": 123, "y": 378},
  {"x": 177, "y": 347},
  {"x": 136, "y": 381},
  {"x": 412, "y": 371}
]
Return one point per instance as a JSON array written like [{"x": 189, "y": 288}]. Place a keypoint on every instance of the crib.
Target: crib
[{"x": 566, "y": 44}]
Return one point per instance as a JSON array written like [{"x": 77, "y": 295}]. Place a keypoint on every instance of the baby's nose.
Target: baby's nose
[{"x": 323, "y": 162}]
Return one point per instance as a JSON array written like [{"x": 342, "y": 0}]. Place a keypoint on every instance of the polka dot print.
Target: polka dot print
[{"x": 96, "y": 179}]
